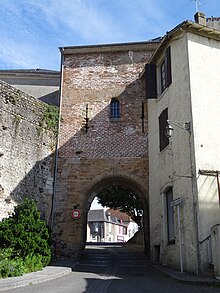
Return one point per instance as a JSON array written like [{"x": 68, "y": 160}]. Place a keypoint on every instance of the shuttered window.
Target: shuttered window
[
  {"x": 164, "y": 141},
  {"x": 168, "y": 67},
  {"x": 164, "y": 76},
  {"x": 151, "y": 81},
  {"x": 165, "y": 71}
]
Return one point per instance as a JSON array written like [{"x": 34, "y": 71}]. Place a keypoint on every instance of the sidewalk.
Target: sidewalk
[
  {"x": 187, "y": 277},
  {"x": 177, "y": 275},
  {"x": 54, "y": 271}
]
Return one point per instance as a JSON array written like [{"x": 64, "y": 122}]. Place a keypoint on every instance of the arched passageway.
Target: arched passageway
[
  {"x": 70, "y": 234},
  {"x": 100, "y": 219},
  {"x": 122, "y": 181}
]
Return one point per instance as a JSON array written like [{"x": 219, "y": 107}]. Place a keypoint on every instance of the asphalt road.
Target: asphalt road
[{"x": 115, "y": 269}]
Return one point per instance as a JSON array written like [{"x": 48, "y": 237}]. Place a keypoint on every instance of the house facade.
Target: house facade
[
  {"x": 184, "y": 161},
  {"x": 109, "y": 226}
]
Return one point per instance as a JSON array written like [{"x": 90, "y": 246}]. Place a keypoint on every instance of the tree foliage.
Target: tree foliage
[
  {"x": 124, "y": 199},
  {"x": 26, "y": 234}
]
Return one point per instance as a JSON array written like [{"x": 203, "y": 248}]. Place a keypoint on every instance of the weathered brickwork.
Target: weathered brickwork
[
  {"x": 112, "y": 150},
  {"x": 26, "y": 166}
]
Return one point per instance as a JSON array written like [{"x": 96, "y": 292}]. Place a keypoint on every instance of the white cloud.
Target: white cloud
[
  {"x": 32, "y": 24},
  {"x": 78, "y": 16},
  {"x": 20, "y": 54},
  {"x": 36, "y": 28}
]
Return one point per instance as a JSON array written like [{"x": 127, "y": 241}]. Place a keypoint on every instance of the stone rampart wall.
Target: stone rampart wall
[{"x": 27, "y": 147}]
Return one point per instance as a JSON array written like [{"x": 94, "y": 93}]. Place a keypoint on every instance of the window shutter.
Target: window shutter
[
  {"x": 168, "y": 67},
  {"x": 151, "y": 81},
  {"x": 164, "y": 141}
]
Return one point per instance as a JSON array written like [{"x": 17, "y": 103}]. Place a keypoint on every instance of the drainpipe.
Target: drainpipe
[{"x": 57, "y": 147}]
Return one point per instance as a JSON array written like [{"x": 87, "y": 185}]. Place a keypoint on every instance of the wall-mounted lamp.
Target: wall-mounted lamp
[{"x": 183, "y": 125}]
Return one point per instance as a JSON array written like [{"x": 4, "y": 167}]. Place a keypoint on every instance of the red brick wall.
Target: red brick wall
[{"x": 110, "y": 148}]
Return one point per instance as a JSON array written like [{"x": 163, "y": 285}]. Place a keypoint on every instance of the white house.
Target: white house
[
  {"x": 109, "y": 226},
  {"x": 183, "y": 86}
]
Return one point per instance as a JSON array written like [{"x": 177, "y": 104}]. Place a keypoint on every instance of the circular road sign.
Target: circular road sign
[{"x": 75, "y": 214}]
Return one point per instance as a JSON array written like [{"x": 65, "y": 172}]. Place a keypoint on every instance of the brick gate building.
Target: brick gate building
[{"x": 103, "y": 133}]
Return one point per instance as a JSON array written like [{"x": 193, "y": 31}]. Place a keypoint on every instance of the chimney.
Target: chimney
[{"x": 200, "y": 18}]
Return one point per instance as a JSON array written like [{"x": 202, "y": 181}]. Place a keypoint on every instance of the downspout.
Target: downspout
[{"x": 57, "y": 147}]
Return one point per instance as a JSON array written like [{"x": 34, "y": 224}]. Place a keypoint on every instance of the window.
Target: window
[
  {"x": 124, "y": 231},
  {"x": 164, "y": 141},
  {"x": 170, "y": 217},
  {"x": 164, "y": 76},
  {"x": 165, "y": 71},
  {"x": 115, "y": 108}
]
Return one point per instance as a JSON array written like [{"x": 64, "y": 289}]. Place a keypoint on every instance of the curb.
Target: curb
[
  {"x": 187, "y": 277},
  {"x": 47, "y": 274}
]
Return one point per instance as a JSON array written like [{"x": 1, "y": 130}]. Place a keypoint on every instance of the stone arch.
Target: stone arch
[
  {"x": 77, "y": 182},
  {"x": 122, "y": 180}
]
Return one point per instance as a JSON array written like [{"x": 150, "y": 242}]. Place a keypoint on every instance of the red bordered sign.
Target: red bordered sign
[{"x": 75, "y": 214}]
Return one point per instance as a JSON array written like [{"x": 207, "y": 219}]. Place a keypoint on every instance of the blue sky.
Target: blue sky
[{"x": 33, "y": 30}]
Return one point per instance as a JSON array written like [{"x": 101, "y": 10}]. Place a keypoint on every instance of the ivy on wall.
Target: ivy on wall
[{"x": 49, "y": 119}]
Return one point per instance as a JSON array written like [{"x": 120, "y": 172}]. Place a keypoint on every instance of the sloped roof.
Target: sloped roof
[
  {"x": 37, "y": 73},
  {"x": 101, "y": 216},
  {"x": 120, "y": 215},
  {"x": 117, "y": 47},
  {"x": 38, "y": 70},
  {"x": 187, "y": 26},
  {"x": 97, "y": 216}
]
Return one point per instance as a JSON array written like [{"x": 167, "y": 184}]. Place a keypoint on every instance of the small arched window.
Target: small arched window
[{"x": 115, "y": 108}]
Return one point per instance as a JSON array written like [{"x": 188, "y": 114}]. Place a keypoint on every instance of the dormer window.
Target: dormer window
[{"x": 115, "y": 108}]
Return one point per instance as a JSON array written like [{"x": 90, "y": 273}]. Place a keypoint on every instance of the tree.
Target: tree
[
  {"x": 25, "y": 233},
  {"x": 124, "y": 199}
]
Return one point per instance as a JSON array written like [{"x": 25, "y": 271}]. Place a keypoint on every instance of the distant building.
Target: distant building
[
  {"x": 40, "y": 83},
  {"x": 109, "y": 226}
]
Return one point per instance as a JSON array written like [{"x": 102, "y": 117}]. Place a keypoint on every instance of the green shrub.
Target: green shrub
[
  {"x": 10, "y": 267},
  {"x": 24, "y": 241},
  {"x": 33, "y": 262},
  {"x": 17, "y": 267}
]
